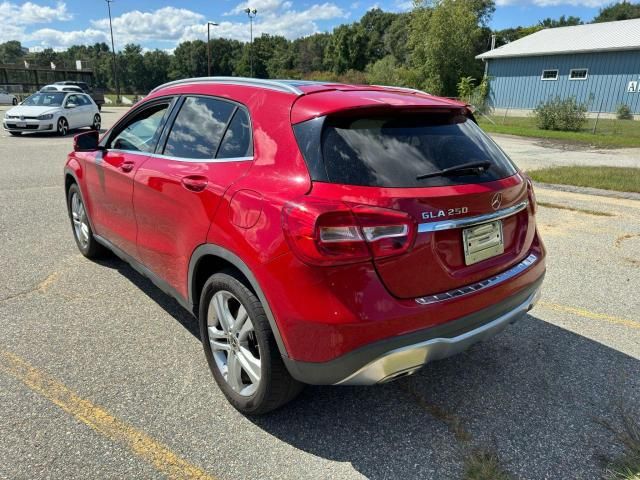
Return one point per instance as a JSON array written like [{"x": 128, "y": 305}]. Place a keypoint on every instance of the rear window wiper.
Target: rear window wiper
[{"x": 480, "y": 167}]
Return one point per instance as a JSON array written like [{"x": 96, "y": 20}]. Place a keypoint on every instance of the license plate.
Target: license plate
[
  {"x": 21, "y": 125},
  {"x": 482, "y": 242}
]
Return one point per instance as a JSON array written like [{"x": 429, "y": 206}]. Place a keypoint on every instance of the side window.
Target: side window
[
  {"x": 141, "y": 132},
  {"x": 82, "y": 100},
  {"x": 237, "y": 139},
  {"x": 198, "y": 128},
  {"x": 72, "y": 99}
]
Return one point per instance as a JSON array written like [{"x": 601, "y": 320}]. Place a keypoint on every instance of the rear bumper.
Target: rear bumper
[{"x": 389, "y": 359}]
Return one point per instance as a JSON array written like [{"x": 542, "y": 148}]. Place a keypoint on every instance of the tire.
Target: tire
[
  {"x": 14, "y": 101},
  {"x": 80, "y": 225},
  {"x": 99, "y": 107},
  {"x": 96, "y": 122},
  {"x": 62, "y": 127},
  {"x": 253, "y": 342},
  {"x": 15, "y": 134}
]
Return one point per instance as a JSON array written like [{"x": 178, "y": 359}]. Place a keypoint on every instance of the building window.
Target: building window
[
  {"x": 578, "y": 74},
  {"x": 549, "y": 75}
]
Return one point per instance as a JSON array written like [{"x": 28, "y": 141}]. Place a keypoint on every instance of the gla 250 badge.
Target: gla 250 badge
[{"x": 451, "y": 212}]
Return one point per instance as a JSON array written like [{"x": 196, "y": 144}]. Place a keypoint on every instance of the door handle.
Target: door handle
[
  {"x": 195, "y": 183},
  {"x": 127, "y": 166}
]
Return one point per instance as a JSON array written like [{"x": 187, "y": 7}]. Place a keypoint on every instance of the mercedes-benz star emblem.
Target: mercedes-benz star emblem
[{"x": 496, "y": 201}]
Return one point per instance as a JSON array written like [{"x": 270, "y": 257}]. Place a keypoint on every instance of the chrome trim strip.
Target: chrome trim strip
[
  {"x": 202, "y": 160},
  {"x": 409, "y": 359},
  {"x": 180, "y": 159},
  {"x": 403, "y": 89},
  {"x": 470, "y": 221},
  {"x": 476, "y": 287},
  {"x": 250, "y": 82}
]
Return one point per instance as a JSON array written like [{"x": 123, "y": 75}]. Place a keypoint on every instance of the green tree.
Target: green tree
[
  {"x": 440, "y": 52},
  {"x": 374, "y": 24},
  {"x": 560, "y": 22},
  {"x": 131, "y": 68},
  {"x": 224, "y": 56},
  {"x": 189, "y": 60},
  {"x": 308, "y": 52},
  {"x": 387, "y": 71},
  {"x": 347, "y": 49},
  {"x": 396, "y": 38},
  {"x": 11, "y": 52},
  {"x": 156, "y": 65},
  {"x": 618, "y": 11}
]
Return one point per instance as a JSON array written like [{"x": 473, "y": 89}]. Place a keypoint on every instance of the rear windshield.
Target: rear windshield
[{"x": 393, "y": 151}]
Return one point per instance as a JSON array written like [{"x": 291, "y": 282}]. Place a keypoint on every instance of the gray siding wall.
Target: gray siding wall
[{"x": 516, "y": 82}]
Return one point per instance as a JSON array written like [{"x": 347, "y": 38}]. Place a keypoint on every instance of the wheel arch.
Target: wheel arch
[{"x": 208, "y": 259}]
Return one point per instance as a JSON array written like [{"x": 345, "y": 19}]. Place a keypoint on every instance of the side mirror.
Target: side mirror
[
  {"x": 71, "y": 105},
  {"x": 86, "y": 141}
]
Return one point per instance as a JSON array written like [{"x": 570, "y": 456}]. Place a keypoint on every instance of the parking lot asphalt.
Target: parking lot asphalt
[{"x": 103, "y": 376}]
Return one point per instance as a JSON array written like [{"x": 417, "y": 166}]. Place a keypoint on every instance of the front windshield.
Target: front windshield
[{"x": 53, "y": 99}]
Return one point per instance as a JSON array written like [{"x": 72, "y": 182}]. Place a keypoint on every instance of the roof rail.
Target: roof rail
[
  {"x": 249, "y": 82},
  {"x": 405, "y": 89}
]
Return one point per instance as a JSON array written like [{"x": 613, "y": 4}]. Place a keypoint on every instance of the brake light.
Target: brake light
[
  {"x": 532, "y": 195},
  {"x": 324, "y": 232}
]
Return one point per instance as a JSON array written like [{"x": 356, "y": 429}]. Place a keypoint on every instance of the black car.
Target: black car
[{"x": 97, "y": 95}]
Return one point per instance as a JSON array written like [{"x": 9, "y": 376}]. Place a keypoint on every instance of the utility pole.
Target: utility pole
[
  {"x": 113, "y": 51},
  {"x": 209, "y": 24},
  {"x": 251, "y": 13}
]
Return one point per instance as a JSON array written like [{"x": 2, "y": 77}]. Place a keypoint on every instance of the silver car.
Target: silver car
[
  {"x": 52, "y": 112},
  {"x": 8, "y": 98}
]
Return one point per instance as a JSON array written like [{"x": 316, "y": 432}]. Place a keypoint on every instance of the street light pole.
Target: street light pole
[
  {"x": 251, "y": 13},
  {"x": 113, "y": 51},
  {"x": 209, "y": 24}
]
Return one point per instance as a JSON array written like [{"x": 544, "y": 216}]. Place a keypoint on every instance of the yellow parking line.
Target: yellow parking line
[
  {"x": 581, "y": 312},
  {"x": 100, "y": 420}
]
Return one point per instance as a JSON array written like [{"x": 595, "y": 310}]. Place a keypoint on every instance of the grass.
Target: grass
[
  {"x": 609, "y": 134},
  {"x": 627, "y": 466},
  {"x": 606, "y": 178},
  {"x": 564, "y": 207},
  {"x": 484, "y": 465}
]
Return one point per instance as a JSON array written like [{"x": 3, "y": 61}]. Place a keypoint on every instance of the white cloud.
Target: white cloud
[
  {"x": 167, "y": 23},
  {"x": 264, "y": 7},
  {"x": 170, "y": 25},
  {"x": 551, "y": 3},
  {"x": 275, "y": 18},
  {"x": 29, "y": 12},
  {"x": 57, "y": 39}
]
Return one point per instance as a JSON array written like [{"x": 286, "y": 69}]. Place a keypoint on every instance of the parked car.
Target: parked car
[
  {"x": 8, "y": 98},
  {"x": 61, "y": 88},
  {"x": 320, "y": 233},
  {"x": 96, "y": 94},
  {"x": 52, "y": 112}
]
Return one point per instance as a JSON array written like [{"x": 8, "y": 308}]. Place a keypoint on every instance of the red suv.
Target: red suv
[{"x": 321, "y": 233}]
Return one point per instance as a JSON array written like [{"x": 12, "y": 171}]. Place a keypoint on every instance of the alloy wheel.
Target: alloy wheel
[
  {"x": 80, "y": 222},
  {"x": 63, "y": 127},
  {"x": 96, "y": 122},
  {"x": 233, "y": 343}
]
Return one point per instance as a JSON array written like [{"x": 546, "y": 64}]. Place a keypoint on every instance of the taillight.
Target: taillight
[
  {"x": 532, "y": 195},
  {"x": 323, "y": 232}
]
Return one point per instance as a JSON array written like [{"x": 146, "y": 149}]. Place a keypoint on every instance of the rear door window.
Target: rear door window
[
  {"x": 237, "y": 139},
  {"x": 393, "y": 151},
  {"x": 198, "y": 128}
]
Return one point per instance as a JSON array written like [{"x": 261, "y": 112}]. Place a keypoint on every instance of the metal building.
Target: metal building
[{"x": 597, "y": 63}]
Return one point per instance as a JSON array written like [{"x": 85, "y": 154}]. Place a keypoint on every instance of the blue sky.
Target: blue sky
[{"x": 165, "y": 23}]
